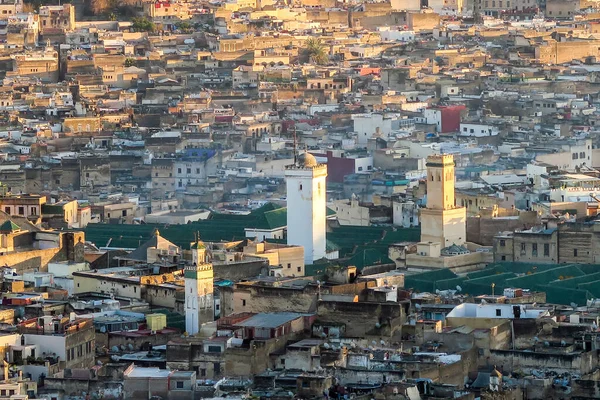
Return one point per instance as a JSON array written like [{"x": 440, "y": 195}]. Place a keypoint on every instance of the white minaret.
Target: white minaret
[
  {"x": 307, "y": 206},
  {"x": 199, "y": 303}
]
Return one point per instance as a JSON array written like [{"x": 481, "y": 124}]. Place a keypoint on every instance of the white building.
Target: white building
[
  {"x": 570, "y": 156},
  {"x": 306, "y": 204},
  {"x": 395, "y": 34},
  {"x": 478, "y": 130},
  {"x": 199, "y": 303},
  {"x": 507, "y": 311},
  {"x": 405, "y": 214},
  {"x": 367, "y": 125},
  {"x": 188, "y": 172}
]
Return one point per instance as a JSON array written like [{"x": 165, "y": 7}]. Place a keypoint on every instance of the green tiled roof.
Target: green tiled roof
[
  {"x": 275, "y": 219},
  {"x": 562, "y": 283},
  {"x": 367, "y": 257},
  {"x": 9, "y": 226}
]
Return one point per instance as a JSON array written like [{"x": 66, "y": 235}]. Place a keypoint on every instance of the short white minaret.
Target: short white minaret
[
  {"x": 307, "y": 206},
  {"x": 199, "y": 303}
]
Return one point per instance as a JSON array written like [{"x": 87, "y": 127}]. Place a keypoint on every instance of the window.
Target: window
[
  {"x": 283, "y": 362},
  {"x": 360, "y": 168},
  {"x": 87, "y": 174},
  {"x": 502, "y": 243},
  {"x": 243, "y": 303},
  {"x": 534, "y": 250},
  {"x": 498, "y": 312},
  {"x": 21, "y": 210},
  {"x": 300, "y": 186},
  {"x": 202, "y": 371},
  {"x": 546, "y": 250},
  {"x": 522, "y": 248},
  {"x": 179, "y": 385},
  {"x": 7, "y": 210},
  {"x": 574, "y": 252},
  {"x": 289, "y": 265},
  {"x": 214, "y": 349},
  {"x": 124, "y": 213},
  {"x": 188, "y": 171},
  {"x": 178, "y": 170},
  {"x": 299, "y": 269}
]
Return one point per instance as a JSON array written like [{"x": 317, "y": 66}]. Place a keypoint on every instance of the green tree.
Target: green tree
[
  {"x": 143, "y": 25},
  {"x": 184, "y": 26},
  {"x": 314, "y": 51},
  {"x": 129, "y": 62}
]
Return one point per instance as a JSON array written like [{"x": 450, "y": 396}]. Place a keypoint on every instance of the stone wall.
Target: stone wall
[
  {"x": 579, "y": 363},
  {"x": 361, "y": 319},
  {"x": 240, "y": 270}
]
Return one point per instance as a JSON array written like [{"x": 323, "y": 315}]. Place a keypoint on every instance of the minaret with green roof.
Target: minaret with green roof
[{"x": 199, "y": 302}]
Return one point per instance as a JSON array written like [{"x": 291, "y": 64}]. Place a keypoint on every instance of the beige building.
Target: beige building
[
  {"x": 165, "y": 12},
  {"x": 57, "y": 19},
  {"x": 442, "y": 221},
  {"x": 562, "y": 8},
  {"x": 284, "y": 261},
  {"x": 25, "y": 205},
  {"x": 351, "y": 213},
  {"x": 8, "y": 8},
  {"x": 42, "y": 65}
]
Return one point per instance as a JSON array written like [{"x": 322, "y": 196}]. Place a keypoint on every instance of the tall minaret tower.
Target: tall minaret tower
[
  {"x": 442, "y": 221},
  {"x": 307, "y": 206},
  {"x": 199, "y": 303}
]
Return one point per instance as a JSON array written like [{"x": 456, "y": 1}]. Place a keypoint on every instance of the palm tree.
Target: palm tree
[{"x": 315, "y": 51}]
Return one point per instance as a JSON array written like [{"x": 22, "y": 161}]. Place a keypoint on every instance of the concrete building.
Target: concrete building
[
  {"x": 139, "y": 382},
  {"x": 199, "y": 304},
  {"x": 70, "y": 338},
  {"x": 307, "y": 196}
]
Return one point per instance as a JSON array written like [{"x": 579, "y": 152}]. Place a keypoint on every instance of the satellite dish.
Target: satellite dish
[
  {"x": 437, "y": 291},
  {"x": 458, "y": 288},
  {"x": 418, "y": 306},
  {"x": 574, "y": 305}
]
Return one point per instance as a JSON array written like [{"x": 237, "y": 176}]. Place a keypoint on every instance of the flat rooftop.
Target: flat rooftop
[
  {"x": 148, "y": 372},
  {"x": 273, "y": 320}
]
